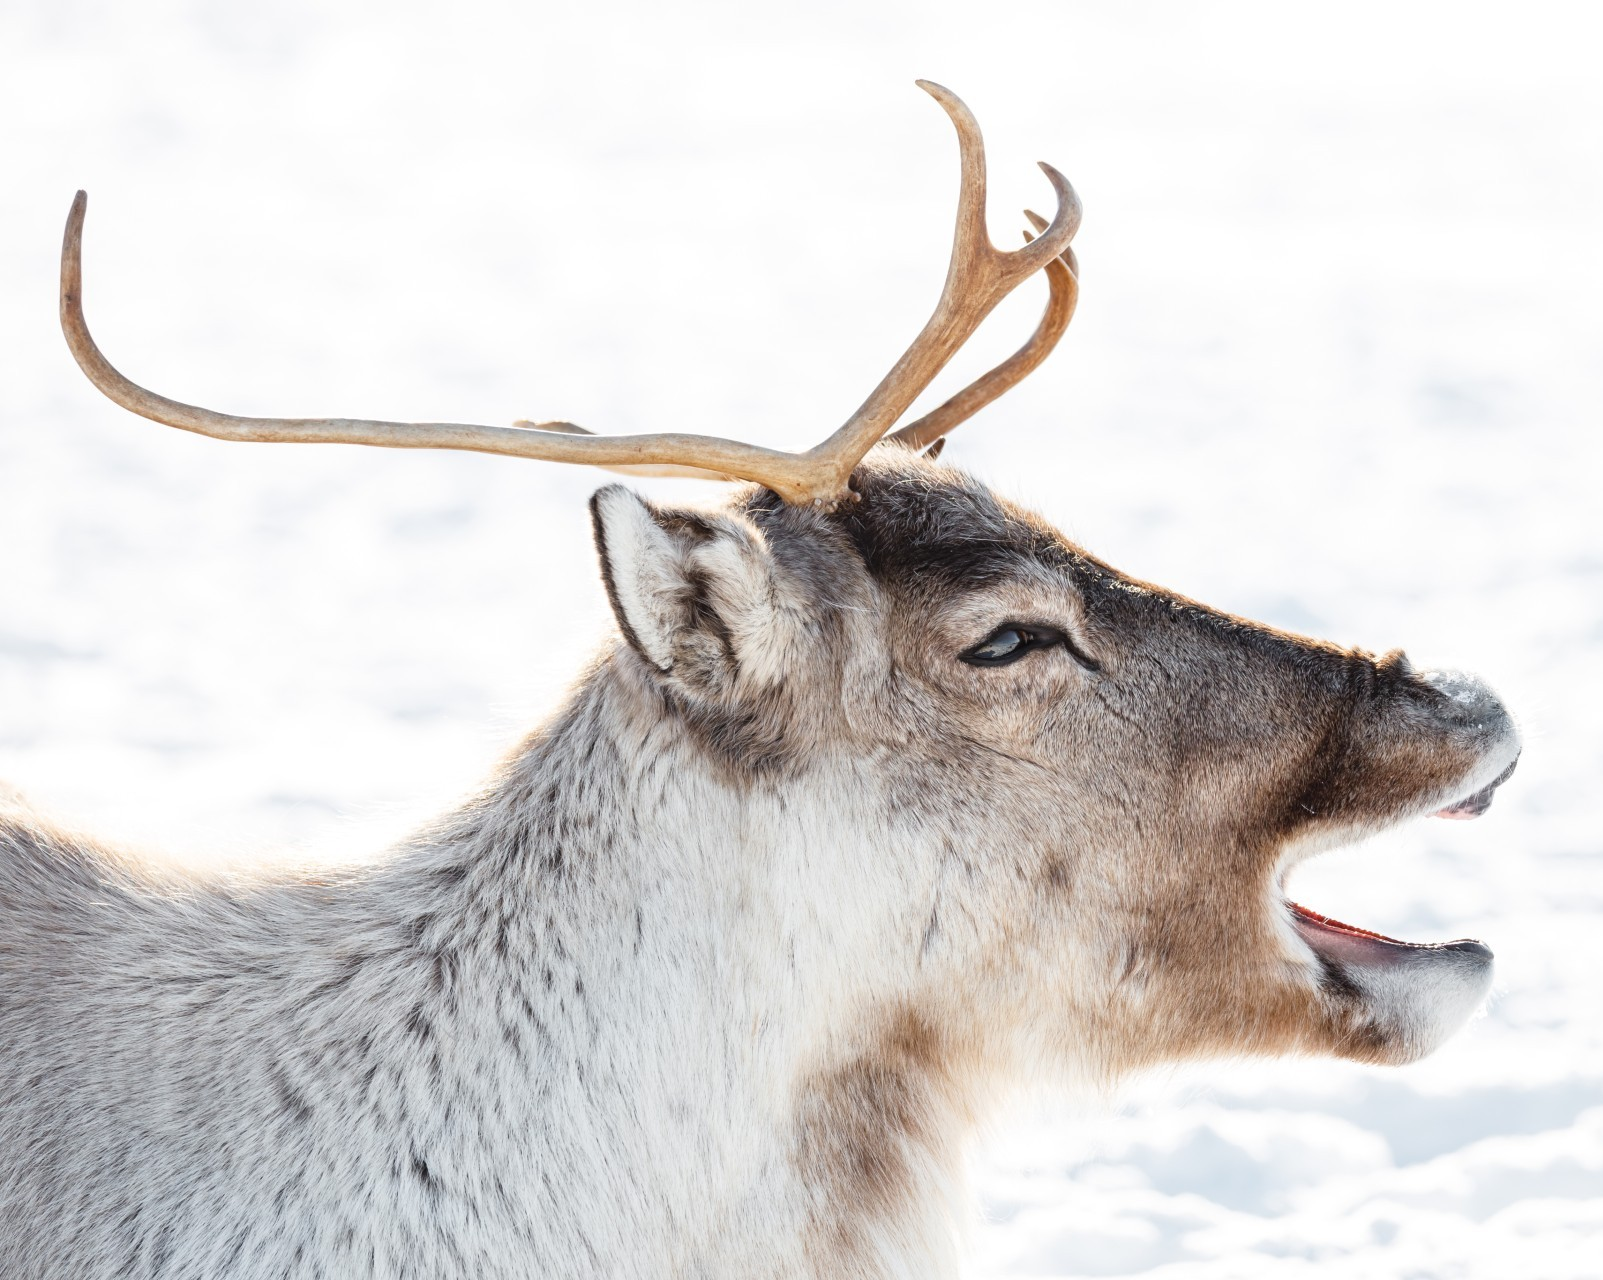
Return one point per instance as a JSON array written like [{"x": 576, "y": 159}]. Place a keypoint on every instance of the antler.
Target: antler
[
  {"x": 978, "y": 277},
  {"x": 1063, "y": 275}
]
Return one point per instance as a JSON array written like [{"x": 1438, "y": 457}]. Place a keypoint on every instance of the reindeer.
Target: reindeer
[{"x": 883, "y": 796}]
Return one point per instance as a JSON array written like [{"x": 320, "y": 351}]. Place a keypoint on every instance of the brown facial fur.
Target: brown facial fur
[{"x": 1110, "y": 821}]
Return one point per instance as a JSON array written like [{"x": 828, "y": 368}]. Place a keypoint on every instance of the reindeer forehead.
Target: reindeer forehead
[
  {"x": 934, "y": 531},
  {"x": 931, "y": 537}
]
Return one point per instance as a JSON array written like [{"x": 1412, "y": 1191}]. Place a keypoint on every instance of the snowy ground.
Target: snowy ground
[{"x": 1337, "y": 365}]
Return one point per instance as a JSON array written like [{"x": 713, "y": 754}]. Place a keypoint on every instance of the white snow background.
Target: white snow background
[{"x": 1336, "y": 366}]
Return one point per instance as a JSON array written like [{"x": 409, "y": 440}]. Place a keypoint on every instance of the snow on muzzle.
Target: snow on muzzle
[{"x": 1473, "y": 710}]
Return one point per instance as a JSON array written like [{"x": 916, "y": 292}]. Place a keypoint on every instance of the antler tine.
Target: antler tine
[
  {"x": 978, "y": 277},
  {"x": 1063, "y": 278},
  {"x": 1039, "y": 223}
]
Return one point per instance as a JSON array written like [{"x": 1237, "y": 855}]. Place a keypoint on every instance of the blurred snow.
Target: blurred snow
[{"x": 1337, "y": 365}]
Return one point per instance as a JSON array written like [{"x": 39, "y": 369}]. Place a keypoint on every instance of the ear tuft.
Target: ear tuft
[
  {"x": 695, "y": 593},
  {"x": 641, "y": 565}
]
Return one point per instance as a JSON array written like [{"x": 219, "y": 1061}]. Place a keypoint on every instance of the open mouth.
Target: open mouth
[
  {"x": 1337, "y": 939},
  {"x": 1477, "y": 804}
]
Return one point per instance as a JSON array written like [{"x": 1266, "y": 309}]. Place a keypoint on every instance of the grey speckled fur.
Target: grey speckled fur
[{"x": 716, "y": 974}]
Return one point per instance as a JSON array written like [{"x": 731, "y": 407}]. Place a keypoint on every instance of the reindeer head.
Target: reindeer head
[
  {"x": 1092, "y": 788},
  {"x": 1088, "y": 789}
]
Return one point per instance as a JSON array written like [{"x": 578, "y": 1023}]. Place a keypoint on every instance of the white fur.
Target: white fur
[{"x": 713, "y": 979}]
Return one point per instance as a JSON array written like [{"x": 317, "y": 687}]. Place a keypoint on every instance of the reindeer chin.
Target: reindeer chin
[{"x": 1409, "y": 996}]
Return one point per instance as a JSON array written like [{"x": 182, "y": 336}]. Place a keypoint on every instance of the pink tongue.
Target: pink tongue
[{"x": 1471, "y": 806}]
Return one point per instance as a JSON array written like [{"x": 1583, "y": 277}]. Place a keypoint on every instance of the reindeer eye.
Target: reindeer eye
[{"x": 1009, "y": 644}]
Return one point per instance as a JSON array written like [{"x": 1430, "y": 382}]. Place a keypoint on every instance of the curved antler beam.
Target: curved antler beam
[
  {"x": 661, "y": 470},
  {"x": 978, "y": 277},
  {"x": 729, "y": 458}
]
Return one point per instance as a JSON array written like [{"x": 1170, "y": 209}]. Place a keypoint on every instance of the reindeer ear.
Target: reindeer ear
[
  {"x": 694, "y": 594},
  {"x": 644, "y": 569}
]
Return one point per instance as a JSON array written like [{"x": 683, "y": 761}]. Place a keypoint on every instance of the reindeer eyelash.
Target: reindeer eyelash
[{"x": 1010, "y": 642}]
